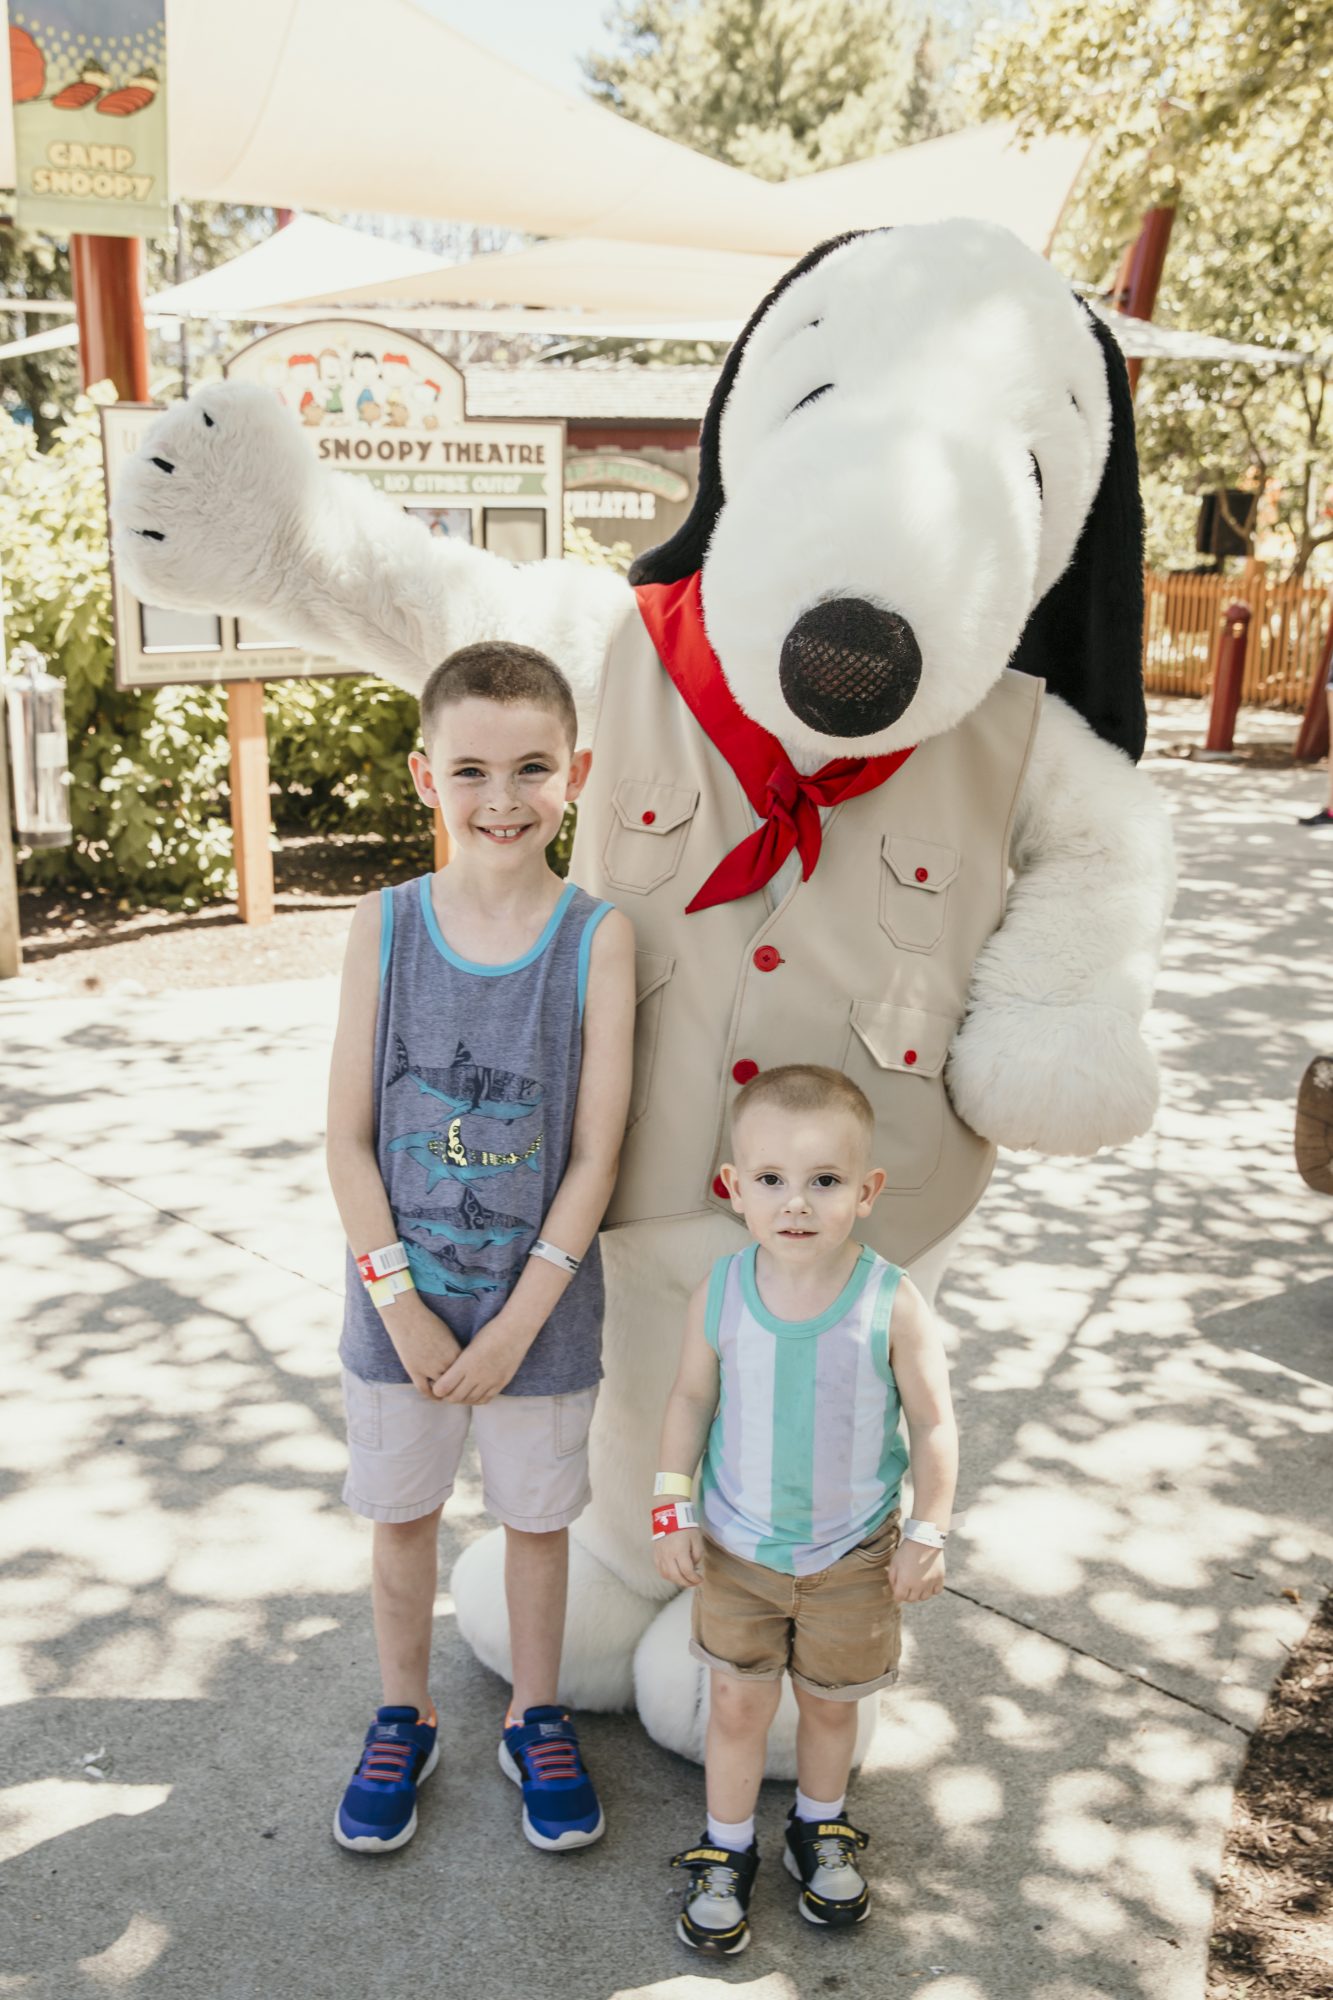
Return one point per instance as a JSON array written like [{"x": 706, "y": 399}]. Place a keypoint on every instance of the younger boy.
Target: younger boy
[
  {"x": 477, "y": 1100},
  {"x": 798, "y": 1354}
]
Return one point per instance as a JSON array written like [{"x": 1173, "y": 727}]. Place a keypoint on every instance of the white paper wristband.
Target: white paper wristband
[
  {"x": 560, "y": 1258},
  {"x": 926, "y": 1532}
]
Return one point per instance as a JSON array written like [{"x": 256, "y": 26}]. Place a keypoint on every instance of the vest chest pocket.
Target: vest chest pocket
[
  {"x": 652, "y": 970},
  {"x": 914, "y": 890},
  {"x": 649, "y": 823},
  {"x": 897, "y": 1054}
]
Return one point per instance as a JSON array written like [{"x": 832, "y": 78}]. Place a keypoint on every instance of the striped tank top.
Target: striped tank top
[
  {"x": 476, "y": 1077},
  {"x": 804, "y": 1458}
]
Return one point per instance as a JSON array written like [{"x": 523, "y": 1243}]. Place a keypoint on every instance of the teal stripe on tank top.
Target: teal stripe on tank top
[
  {"x": 386, "y": 931},
  {"x": 585, "y": 951},
  {"x": 792, "y": 1505}
]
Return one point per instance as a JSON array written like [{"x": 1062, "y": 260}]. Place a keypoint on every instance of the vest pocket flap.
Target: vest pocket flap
[
  {"x": 920, "y": 864},
  {"x": 650, "y": 808},
  {"x": 903, "y": 1038},
  {"x": 651, "y": 970}
]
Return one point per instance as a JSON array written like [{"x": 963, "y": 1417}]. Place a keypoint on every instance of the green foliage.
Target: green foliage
[
  {"x": 146, "y": 768},
  {"x": 777, "y": 87},
  {"x": 1220, "y": 109}
]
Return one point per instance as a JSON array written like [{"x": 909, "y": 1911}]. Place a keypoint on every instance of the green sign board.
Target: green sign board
[{"x": 90, "y": 116}]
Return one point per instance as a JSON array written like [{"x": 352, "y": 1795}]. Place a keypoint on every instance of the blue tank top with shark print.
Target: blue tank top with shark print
[{"x": 476, "y": 1075}]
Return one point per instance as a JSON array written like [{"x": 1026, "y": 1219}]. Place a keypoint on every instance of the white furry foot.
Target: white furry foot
[
  {"x": 1052, "y": 1079},
  {"x": 671, "y": 1695},
  {"x": 603, "y": 1623},
  {"x": 210, "y": 509}
]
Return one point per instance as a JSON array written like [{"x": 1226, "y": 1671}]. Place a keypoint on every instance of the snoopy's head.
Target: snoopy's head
[{"x": 917, "y": 468}]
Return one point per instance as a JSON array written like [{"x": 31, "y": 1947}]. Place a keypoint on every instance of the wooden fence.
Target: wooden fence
[{"x": 1181, "y": 617}]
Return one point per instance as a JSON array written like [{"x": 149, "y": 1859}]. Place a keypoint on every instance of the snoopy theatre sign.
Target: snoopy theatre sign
[
  {"x": 88, "y": 81},
  {"x": 382, "y": 406}
]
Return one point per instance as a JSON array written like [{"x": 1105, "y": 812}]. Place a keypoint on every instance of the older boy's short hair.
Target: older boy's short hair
[
  {"x": 496, "y": 670},
  {"x": 798, "y": 1087}
]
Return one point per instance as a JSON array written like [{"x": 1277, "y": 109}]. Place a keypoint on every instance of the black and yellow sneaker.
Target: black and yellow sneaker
[
  {"x": 821, "y": 1854},
  {"x": 713, "y": 1916}
]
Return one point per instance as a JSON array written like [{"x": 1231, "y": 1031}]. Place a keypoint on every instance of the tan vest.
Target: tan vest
[{"x": 865, "y": 967}]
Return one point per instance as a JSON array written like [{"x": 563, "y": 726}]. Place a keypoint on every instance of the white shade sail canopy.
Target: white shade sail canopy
[
  {"x": 376, "y": 105},
  {"x": 357, "y": 105}
]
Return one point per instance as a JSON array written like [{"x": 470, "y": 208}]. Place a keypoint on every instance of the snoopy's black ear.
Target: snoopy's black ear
[
  {"x": 673, "y": 560},
  {"x": 1085, "y": 638}
]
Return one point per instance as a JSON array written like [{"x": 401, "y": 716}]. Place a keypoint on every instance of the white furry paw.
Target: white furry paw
[
  {"x": 1052, "y": 1079},
  {"x": 208, "y": 510},
  {"x": 604, "y": 1621},
  {"x": 671, "y": 1695}
]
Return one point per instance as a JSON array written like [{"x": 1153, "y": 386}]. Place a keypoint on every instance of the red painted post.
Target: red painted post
[
  {"x": 1228, "y": 675},
  {"x": 1140, "y": 274},
  {"x": 107, "y": 272},
  {"x": 1312, "y": 741}
]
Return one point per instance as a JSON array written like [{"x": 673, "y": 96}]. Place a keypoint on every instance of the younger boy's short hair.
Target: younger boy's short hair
[
  {"x": 798, "y": 1087},
  {"x": 496, "y": 670}
]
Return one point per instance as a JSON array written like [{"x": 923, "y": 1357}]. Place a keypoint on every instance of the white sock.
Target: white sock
[
  {"x": 737, "y": 1835},
  {"x": 807, "y": 1808}
]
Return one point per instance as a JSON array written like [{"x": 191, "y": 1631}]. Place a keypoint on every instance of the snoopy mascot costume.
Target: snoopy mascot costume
[{"x": 864, "y": 737}]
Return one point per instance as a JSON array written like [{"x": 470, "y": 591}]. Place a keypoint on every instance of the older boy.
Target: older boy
[
  {"x": 799, "y": 1353},
  {"x": 477, "y": 1101}
]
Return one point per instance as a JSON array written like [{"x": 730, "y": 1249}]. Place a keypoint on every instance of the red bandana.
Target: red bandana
[{"x": 787, "y": 803}]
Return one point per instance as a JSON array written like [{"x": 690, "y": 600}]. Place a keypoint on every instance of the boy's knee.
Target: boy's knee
[
  {"x": 819, "y": 1709},
  {"x": 743, "y": 1705}
]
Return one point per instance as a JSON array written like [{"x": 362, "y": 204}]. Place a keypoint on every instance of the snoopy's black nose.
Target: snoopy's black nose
[{"x": 848, "y": 668}]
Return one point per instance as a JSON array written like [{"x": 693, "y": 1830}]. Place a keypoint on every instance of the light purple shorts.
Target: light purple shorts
[{"x": 404, "y": 1451}]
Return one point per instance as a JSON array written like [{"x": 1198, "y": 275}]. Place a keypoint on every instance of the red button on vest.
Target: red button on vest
[
  {"x": 648, "y": 818},
  {"x": 909, "y": 1055},
  {"x": 720, "y": 1189},
  {"x": 767, "y": 958},
  {"x": 743, "y": 1071},
  {"x": 923, "y": 874}
]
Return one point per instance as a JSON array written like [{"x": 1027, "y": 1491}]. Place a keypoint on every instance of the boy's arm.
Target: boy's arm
[
  {"x": 916, "y": 1356},
  {"x": 423, "y": 1343},
  {"x": 689, "y": 1412},
  {"x": 491, "y": 1359}
]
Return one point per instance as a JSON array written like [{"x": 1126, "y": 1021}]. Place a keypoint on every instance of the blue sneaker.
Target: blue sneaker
[
  {"x": 378, "y": 1811},
  {"x": 560, "y": 1807}
]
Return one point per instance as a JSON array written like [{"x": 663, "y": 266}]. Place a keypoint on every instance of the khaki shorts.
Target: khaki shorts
[
  {"x": 403, "y": 1453},
  {"x": 837, "y": 1633}
]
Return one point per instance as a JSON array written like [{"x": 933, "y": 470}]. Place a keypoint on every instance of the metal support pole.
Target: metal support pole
[
  {"x": 11, "y": 951},
  {"x": 250, "y": 818},
  {"x": 1228, "y": 677},
  {"x": 108, "y": 293}
]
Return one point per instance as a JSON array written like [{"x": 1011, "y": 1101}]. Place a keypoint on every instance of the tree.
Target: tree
[
  {"x": 777, "y": 87},
  {"x": 1220, "y": 109}
]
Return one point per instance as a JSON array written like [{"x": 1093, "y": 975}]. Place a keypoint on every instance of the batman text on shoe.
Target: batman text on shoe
[
  {"x": 821, "y": 1854},
  {"x": 714, "y": 1916}
]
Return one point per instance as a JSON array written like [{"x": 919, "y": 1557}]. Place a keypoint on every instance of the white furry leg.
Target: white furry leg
[
  {"x": 671, "y": 1695},
  {"x": 604, "y": 1621}
]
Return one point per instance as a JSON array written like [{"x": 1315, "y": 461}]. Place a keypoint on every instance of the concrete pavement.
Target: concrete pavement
[{"x": 1142, "y": 1356}]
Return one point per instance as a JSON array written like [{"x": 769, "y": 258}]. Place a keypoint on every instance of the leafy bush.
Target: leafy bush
[{"x": 147, "y": 768}]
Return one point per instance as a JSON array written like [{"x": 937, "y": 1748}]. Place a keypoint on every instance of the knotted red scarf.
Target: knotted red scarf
[{"x": 788, "y": 804}]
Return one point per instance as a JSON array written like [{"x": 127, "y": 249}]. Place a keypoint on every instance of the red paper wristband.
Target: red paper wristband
[{"x": 672, "y": 1516}]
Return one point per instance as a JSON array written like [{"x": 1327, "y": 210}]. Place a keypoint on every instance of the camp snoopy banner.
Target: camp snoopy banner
[{"x": 90, "y": 115}]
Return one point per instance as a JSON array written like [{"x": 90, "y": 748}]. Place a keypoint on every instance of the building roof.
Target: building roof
[{"x": 616, "y": 394}]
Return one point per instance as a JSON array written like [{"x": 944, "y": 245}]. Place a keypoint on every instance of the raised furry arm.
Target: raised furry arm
[{"x": 226, "y": 507}]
